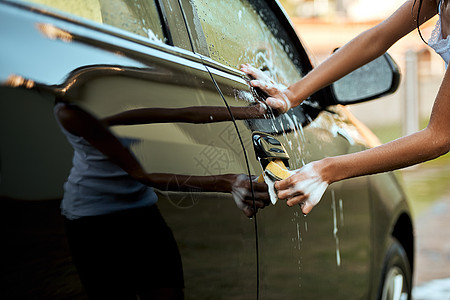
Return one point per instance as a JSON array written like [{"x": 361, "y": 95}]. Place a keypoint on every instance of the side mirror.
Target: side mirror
[{"x": 378, "y": 78}]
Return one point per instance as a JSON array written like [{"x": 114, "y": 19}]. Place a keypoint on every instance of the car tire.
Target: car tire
[{"x": 396, "y": 283}]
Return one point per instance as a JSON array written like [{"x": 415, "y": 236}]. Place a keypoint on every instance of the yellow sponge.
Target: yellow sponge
[
  {"x": 276, "y": 169},
  {"x": 260, "y": 178}
]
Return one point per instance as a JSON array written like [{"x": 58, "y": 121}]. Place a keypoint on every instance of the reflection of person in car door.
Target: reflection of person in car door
[
  {"x": 119, "y": 241},
  {"x": 427, "y": 144}
]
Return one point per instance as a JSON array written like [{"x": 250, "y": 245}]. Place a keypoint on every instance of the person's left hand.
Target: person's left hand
[
  {"x": 305, "y": 187},
  {"x": 242, "y": 195},
  {"x": 279, "y": 95}
]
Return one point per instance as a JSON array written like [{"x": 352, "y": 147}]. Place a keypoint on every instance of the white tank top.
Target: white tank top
[{"x": 440, "y": 44}]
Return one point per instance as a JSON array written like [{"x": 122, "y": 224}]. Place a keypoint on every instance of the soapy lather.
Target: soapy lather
[{"x": 275, "y": 170}]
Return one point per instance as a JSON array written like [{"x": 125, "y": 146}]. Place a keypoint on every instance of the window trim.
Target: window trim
[
  {"x": 304, "y": 60},
  {"x": 164, "y": 22},
  {"x": 194, "y": 29}
]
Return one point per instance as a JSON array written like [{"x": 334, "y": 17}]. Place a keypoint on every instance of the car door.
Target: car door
[
  {"x": 129, "y": 56},
  {"x": 297, "y": 254}
]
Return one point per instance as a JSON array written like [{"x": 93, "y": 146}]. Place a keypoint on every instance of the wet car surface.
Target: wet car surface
[{"x": 182, "y": 57}]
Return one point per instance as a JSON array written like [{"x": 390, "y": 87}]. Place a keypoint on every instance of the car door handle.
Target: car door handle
[{"x": 267, "y": 148}]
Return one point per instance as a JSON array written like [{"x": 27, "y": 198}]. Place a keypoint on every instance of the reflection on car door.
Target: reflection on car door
[
  {"x": 216, "y": 241},
  {"x": 306, "y": 257},
  {"x": 111, "y": 73}
]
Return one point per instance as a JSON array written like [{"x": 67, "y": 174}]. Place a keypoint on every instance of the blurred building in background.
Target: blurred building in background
[{"x": 354, "y": 10}]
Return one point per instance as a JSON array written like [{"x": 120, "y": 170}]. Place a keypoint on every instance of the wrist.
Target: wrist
[
  {"x": 290, "y": 97},
  {"x": 296, "y": 94},
  {"x": 302, "y": 89},
  {"x": 326, "y": 170}
]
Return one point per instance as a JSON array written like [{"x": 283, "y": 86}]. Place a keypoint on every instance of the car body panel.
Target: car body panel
[{"x": 337, "y": 250}]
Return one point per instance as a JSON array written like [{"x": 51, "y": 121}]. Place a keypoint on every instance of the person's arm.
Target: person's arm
[
  {"x": 80, "y": 123},
  {"x": 427, "y": 144},
  {"x": 193, "y": 115},
  {"x": 362, "y": 49}
]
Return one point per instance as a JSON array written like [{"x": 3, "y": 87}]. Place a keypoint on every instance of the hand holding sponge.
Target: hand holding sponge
[{"x": 275, "y": 170}]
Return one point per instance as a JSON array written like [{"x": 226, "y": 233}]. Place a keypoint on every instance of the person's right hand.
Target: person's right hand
[
  {"x": 279, "y": 96},
  {"x": 305, "y": 187},
  {"x": 243, "y": 196}
]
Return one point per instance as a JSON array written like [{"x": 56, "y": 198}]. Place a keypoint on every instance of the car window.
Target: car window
[
  {"x": 136, "y": 16},
  {"x": 251, "y": 33},
  {"x": 248, "y": 34}
]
